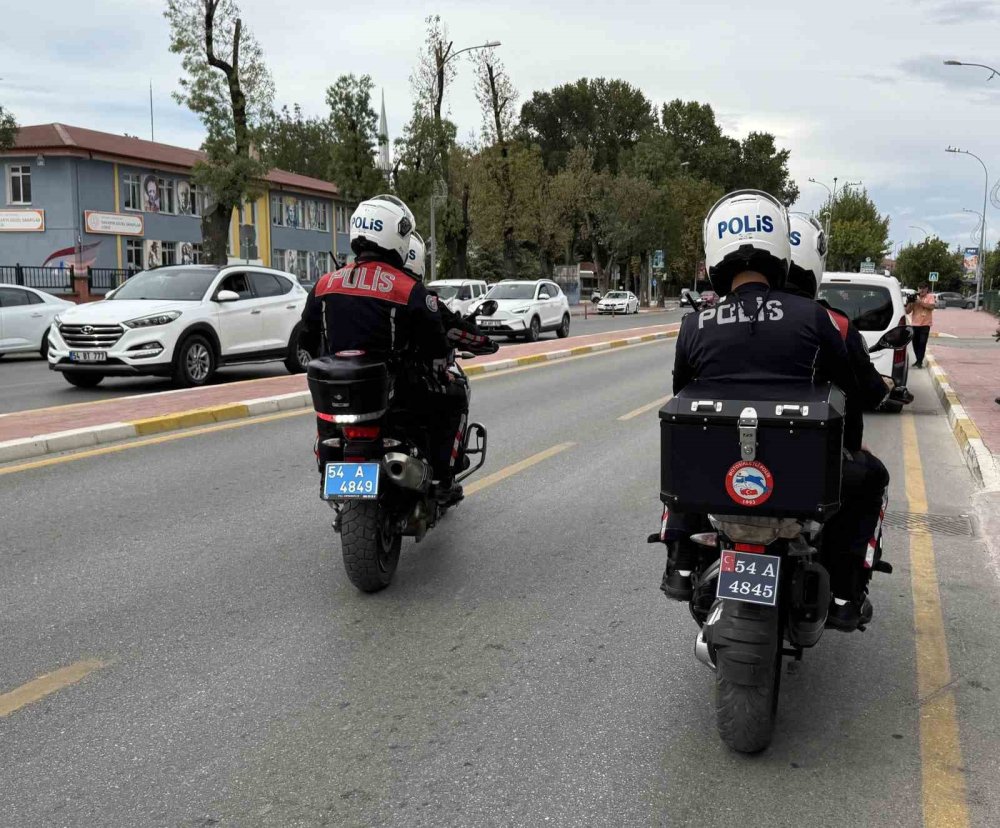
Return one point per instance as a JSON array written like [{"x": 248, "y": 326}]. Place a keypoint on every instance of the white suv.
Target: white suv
[
  {"x": 460, "y": 295},
  {"x": 182, "y": 322},
  {"x": 526, "y": 309},
  {"x": 874, "y": 304}
]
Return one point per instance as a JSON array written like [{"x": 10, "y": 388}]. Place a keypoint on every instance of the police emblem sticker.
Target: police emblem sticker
[
  {"x": 432, "y": 303},
  {"x": 749, "y": 483}
]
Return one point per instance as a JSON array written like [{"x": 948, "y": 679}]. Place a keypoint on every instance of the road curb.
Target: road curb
[
  {"x": 27, "y": 448},
  {"x": 977, "y": 456}
]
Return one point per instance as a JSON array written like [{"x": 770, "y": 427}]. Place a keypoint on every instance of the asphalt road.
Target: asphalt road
[
  {"x": 26, "y": 382},
  {"x": 523, "y": 669}
]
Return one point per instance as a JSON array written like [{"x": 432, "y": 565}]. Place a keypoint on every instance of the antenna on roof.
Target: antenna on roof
[{"x": 152, "y": 132}]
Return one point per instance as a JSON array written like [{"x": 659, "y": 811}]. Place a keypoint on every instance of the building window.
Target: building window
[
  {"x": 302, "y": 265},
  {"x": 133, "y": 189},
  {"x": 168, "y": 199},
  {"x": 133, "y": 254},
  {"x": 277, "y": 214},
  {"x": 343, "y": 219},
  {"x": 322, "y": 216},
  {"x": 196, "y": 253},
  {"x": 19, "y": 190},
  {"x": 277, "y": 258},
  {"x": 168, "y": 253}
]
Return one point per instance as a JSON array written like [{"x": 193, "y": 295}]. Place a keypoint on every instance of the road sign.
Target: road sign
[
  {"x": 933, "y": 276},
  {"x": 868, "y": 266}
]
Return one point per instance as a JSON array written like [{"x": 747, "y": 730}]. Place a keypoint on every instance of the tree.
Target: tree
[
  {"x": 857, "y": 232},
  {"x": 607, "y": 117},
  {"x": 755, "y": 162},
  {"x": 497, "y": 98},
  {"x": 621, "y": 211},
  {"x": 354, "y": 134},
  {"x": 916, "y": 261},
  {"x": 8, "y": 129},
  {"x": 991, "y": 269},
  {"x": 229, "y": 87},
  {"x": 299, "y": 144},
  {"x": 689, "y": 201}
]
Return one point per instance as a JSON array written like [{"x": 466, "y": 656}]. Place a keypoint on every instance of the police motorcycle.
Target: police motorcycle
[
  {"x": 378, "y": 479},
  {"x": 767, "y": 474}
]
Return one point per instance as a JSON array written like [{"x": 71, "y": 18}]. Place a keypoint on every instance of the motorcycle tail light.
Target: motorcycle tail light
[
  {"x": 749, "y": 547},
  {"x": 362, "y": 432}
]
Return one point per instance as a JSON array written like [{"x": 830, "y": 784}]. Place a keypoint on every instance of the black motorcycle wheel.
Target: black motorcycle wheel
[
  {"x": 370, "y": 546},
  {"x": 748, "y": 646}
]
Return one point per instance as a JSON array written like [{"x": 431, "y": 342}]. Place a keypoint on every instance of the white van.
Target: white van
[
  {"x": 460, "y": 295},
  {"x": 874, "y": 304}
]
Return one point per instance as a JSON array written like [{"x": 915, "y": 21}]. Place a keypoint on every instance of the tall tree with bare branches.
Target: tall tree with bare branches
[{"x": 228, "y": 85}]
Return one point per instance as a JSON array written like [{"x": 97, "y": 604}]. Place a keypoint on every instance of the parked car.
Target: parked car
[
  {"x": 619, "y": 301},
  {"x": 950, "y": 299},
  {"x": 460, "y": 295},
  {"x": 527, "y": 309},
  {"x": 874, "y": 304},
  {"x": 25, "y": 317},
  {"x": 182, "y": 322}
]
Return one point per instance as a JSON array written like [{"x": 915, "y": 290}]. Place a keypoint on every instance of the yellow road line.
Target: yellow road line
[
  {"x": 149, "y": 441},
  {"x": 42, "y": 686},
  {"x": 642, "y": 409},
  {"x": 249, "y": 421},
  {"x": 509, "y": 471},
  {"x": 944, "y": 802}
]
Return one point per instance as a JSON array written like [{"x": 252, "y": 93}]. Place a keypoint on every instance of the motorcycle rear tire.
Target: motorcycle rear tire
[
  {"x": 370, "y": 546},
  {"x": 748, "y": 642}
]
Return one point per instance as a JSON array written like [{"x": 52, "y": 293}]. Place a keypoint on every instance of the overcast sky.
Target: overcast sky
[{"x": 855, "y": 88}]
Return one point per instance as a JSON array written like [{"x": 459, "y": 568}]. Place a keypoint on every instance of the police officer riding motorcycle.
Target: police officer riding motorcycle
[
  {"x": 391, "y": 417},
  {"x": 765, "y": 403}
]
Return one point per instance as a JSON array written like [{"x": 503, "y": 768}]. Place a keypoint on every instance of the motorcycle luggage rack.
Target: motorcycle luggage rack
[{"x": 479, "y": 451}]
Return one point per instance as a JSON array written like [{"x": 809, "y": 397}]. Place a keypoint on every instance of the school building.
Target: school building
[{"x": 87, "y": 199}]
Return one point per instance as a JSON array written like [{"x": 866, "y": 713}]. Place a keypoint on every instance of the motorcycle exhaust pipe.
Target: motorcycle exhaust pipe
[
  {"x": 407, "y": 472},
  {"x": 701, "y": 651}
]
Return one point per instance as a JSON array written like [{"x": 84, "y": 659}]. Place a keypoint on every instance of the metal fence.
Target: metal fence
[
  {"x": 991, "y": 301},
  {"x": 103, "y": 279},
  {"x": 43, "y": 278}
]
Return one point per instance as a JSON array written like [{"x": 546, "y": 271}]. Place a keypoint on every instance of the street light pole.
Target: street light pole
[
  {"x": 980, "y": 65},
  {"x": 921, "y": 229},
  {"x": 830, "y": 213},
  {"x": 982, "y": 227}
]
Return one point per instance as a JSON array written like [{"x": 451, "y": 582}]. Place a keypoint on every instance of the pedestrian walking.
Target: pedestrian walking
[{"x": 922, "y": 316}]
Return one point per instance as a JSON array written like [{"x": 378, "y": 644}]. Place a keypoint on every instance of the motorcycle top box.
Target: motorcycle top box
[
  {"x": 349, "y": 384},
  {"x": 772, "y": 452}
]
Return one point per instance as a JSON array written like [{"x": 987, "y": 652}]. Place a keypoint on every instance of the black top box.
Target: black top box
[
  {"x": 350, "y": 383},
  {"x": 773, "y": 452}
]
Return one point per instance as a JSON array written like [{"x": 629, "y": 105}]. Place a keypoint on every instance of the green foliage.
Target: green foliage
[
  {"x": 354, "y": 134},
  {"x": 916, "y": 261},
  {"x": 690, "y": 199},
  {"x": 8, "y": 129},
  {"x": 298, "y": 144},
  {"x": 857, "y": 232},
  {"x": 755, "y": 162},
  {"x": 991, "y": 270},
  {"x": 607, "y": 117}
]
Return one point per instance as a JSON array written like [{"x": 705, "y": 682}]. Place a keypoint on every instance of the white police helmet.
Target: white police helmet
[
  {"x": 808, "y": 243},
  {"x": 382, "y": 225},
  {"x": 414, "y": 264},
  {"x": 746, "y": 230}
]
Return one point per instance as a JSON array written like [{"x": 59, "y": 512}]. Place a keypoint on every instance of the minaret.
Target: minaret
[{"x": 384, "y": 162}]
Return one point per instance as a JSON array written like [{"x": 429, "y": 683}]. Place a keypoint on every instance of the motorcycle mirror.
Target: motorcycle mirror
[
  {"x": 466, "y": 355},
  {"x": 894, "y": 339},
  {"x": 488, "y": 308}
]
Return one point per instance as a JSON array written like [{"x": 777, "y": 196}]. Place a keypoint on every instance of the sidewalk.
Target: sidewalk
[
  {"x": 965, "y": 370},
  {"x": 25, "y": 434}
]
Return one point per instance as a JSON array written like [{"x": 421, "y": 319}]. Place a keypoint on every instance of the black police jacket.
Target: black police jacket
[
  {"x": 872, "y": 388},
  {"x": 759, "y": 338},
  {"x": 374, "y": 307}
]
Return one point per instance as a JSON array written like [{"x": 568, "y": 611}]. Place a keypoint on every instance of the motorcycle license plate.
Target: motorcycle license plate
[
  {"x": 749, "y": 577},
  {"x": 350, "y": 481},
  {"x": 88, "y": 356}
]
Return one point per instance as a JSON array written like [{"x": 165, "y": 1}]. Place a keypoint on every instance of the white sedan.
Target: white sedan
[
  {"x": 25, "y": 317},
  {"x": 619, "y": 301}
]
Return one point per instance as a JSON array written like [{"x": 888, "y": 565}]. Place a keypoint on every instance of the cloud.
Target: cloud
[{"x": 959, "y": 12}]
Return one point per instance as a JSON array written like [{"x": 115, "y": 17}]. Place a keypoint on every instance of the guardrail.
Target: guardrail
[{"x": 42, "y": 278}]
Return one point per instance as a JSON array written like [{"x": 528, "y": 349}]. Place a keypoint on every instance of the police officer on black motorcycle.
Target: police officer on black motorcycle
[
  {"x": 850, "y": 541},
  {"x": 756, "y": 336},
  {"x": 375, "y": 306}
]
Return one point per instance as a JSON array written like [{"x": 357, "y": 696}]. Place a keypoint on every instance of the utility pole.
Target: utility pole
[{"x": 152, "y": 132}]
